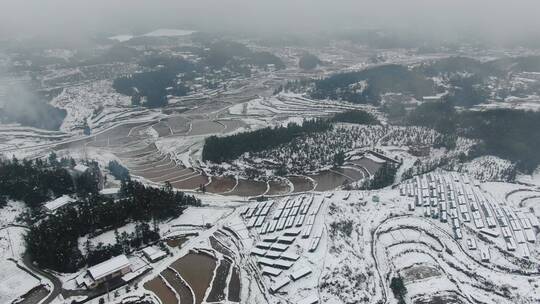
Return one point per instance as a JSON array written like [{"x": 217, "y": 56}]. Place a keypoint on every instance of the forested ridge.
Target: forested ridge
[
  {"x": 509, "y": 134},
  {"x": 168, "y": 75},
  {"x": 222, "y": 149},
  {"x": 155, "y": 85},
  {"x": 38, "y": 181},
  {"x": 368, "y": 85},
  {"x": 53, "y": 241},
  {"x": 356, "y": 117}
]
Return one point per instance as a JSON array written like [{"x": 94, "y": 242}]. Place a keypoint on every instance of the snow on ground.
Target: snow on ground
[
  {"x": 14, "y": 282},
  {"x": 84, "y": 102},
  {"x": 12, "y": 242},
  {"x": 375, "y": 158},
  {"x": 489, "y": 168},
  {"x": 101, "y": 156},
  {"x": 533, "y": 179},
  {"x": 106, "y": 238},
  {"x": 200, "y": 216},
  {"x": 9, "y": 213},
  {"x": 121, "y": 38},
  {"x": 156, "y": 33},
  {"x": 169, "y": 33}
]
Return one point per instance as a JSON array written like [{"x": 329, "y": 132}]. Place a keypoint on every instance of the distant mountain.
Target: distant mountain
[
  {"x": 367, "y": 86},
  {"x": 517, "y": 64}
]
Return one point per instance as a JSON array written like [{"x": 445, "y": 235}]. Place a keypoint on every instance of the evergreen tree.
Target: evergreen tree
[
  {"x": 339, "y": 159},
  {"x": 399, "y": 289}
]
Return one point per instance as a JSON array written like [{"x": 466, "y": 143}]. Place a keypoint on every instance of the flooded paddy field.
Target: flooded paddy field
[
  {"x": 249, "y": 188},
  {"x": 162, "y": 171},
  {"x": 301, "y": 183},
  {"x": 221, "y": 184},
  {"x": 161, "y": 290},
  {"x": 197, "y": 270},
  {"x": 370, "y": 165},
  {"x": 115, "y": 143},
  {"x": 144, "y": 155},
  {"x": 328, "y": 180},
  {"x": 353, "y": 173},
  {"x": 162, "y": 129},
  {"x": 217, "y": 293},
  {"x": 191, "y": 183},
  {"x": 181, "y": 289},
  {"x": 138, "y": 162},
  {"x": 203, "y": 127},
  {"x": 217, "y": 246},
  {"x": 35, "y": 296},
  {"x": 419, "y": 272},
  {"x": 278, "y": 187},
  {"x": 138, "y": 152},
  {"x": 120, "y": 131},
  {"x": 177, "y": 241},
  {"x": 178, "y": 171},
  {"x": 234, "y": 285},
  {"x": 183, "y": 175},
  {"x": 178, "y": 124},
  {"x": 232, "y": 125},
  {"x": 164, "y": 161}
]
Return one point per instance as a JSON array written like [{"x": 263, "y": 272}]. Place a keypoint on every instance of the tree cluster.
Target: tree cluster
[
  {"x": 53, "y": 241},
  {"x": 36, "y": 181},
  {"x": 399, "y": 289},
  {"x": 311, "y": 152},
  {"x": 384, "y": 177},
  {"x": 367, "y": 86},
  {"x": 232, "y": 55},
  {"x": 308, "y": 61},
  {"x": 507, "y": 133},
  {"x": 222, "y": 149},
  {"x": 124, "y": 243},
  {"x": 153, "y": 85},
  {"x": 357, "y": 117},
  {"x": 119, "y": 172}
]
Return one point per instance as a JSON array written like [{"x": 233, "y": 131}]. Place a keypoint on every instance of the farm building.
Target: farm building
[
  {"x": 110, "y": 192},
  {"x": 153, "y": 254},
  {"x": 108, "y": 270},
  {"x": 58, "y": 203}
]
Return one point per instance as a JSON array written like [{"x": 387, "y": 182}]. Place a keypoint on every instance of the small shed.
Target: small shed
[
  {"x": 153, "y": 254},
  {"x": 110, "y": 192},
  {"x": 58, "y": 203}
]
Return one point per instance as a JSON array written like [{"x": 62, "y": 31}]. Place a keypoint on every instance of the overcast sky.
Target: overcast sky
[{"x": 498, "y": 18}]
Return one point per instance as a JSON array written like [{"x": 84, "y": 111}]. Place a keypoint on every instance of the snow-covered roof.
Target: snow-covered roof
[
  {"x": 58, "y": 202},
  {"x": 312, "y": 299},
  {"x": 288, "y": 255},
  {"x": 258, "y": 251},
  {"x": 108, "y": 267},
  {"x": 109, "y": 191},
  {"x": 280, "y": 284},
  {"x": 153, "y": 253},
  {"x": 300, "y": 273},
  {"x": 271, "y": 271},
  {"x": 80, "y": 168}
]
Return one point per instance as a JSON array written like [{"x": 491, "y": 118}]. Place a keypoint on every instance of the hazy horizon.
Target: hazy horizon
[{"x": 73, "y": 19}]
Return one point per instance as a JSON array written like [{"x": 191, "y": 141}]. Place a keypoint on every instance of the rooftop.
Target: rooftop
[
  {"x": 108, "y": 267},
  {"x": 80, "y": 168},
  {"x": 153, "y": 253},
  {"x": 58, "y": 202}
]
